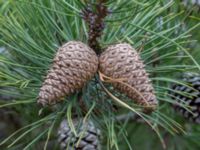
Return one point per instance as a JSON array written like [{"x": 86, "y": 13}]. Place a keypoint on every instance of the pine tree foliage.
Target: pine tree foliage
[{"x": 32, "y": 31}]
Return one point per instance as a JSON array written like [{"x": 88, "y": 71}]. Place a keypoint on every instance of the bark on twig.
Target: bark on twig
[{"x": 94, "y": 17}]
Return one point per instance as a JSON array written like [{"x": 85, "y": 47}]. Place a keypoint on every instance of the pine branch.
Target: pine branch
[{"x": 40, "y": 27}]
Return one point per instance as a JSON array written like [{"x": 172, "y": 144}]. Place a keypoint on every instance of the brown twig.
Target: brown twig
[{"x": 94, "y": 17}]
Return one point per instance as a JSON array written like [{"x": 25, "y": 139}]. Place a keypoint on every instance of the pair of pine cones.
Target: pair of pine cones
[{"x": 75, "y": 64}]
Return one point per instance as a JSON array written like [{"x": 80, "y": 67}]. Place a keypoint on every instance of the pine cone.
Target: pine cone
[
  {"x": 74, "y": 64},
  {"x": 87, "y": 134},
  {"x": 188, "y": 95},
  {"x": 122, "y": 61}
]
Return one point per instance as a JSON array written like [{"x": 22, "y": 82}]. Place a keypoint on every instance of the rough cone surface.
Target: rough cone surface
[
  {"x": 189, "y": 96},
  {"x": 88, "y": 141},
  {"x": 122, "y": 61},
  {"x": 74, "y": 64}
]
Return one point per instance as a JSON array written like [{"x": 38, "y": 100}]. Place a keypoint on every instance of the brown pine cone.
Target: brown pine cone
[
  {"x": 88, "y": 136},
  {"x": 121, "y": 61},
  {"x": 74, "y": 64}
]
